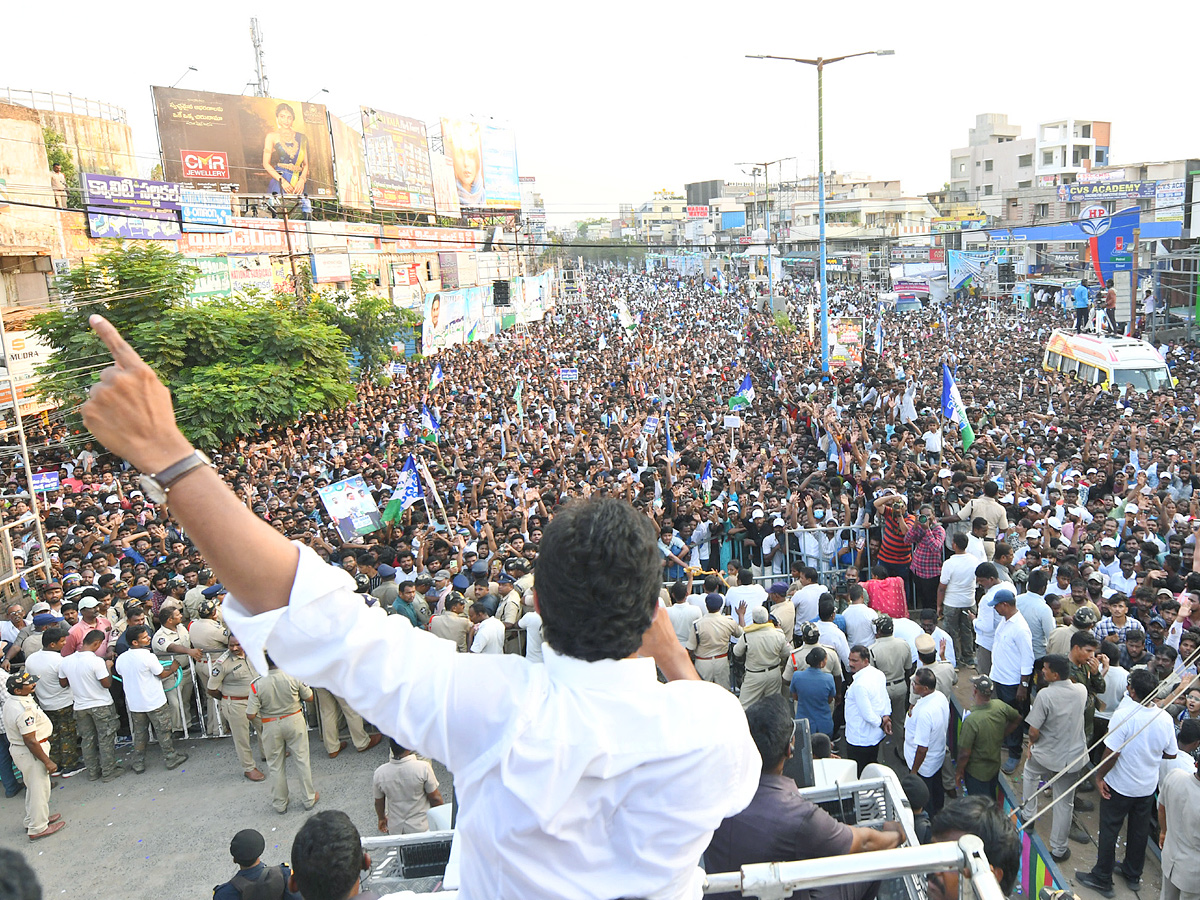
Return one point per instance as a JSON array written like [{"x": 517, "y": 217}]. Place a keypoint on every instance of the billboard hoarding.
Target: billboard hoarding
[
  {"x": 697, "y": 212},
  {"x": 261, "y": 145},
  {"x": 397, "y": 152},
  {"x": 1102, "y": 189},
  {"x": 944, "y": 224},
  {"x": 847, "y": 337},
  {"x": 351, "y": 507},
  {"x": 251, "y": 272},
  {"x": 213, "y": 280},
  {"x": 484, "y": 157},
  {"x": 129, "y": 193},
  {"x": 1168, "y": 200},
  {"x": 330, "y": 267},
  {"x": 350, "y": 166},
  {"x": 147, "y": 225},
  {"x": 245, "y": 236},
  {"x": 445, "y": 190}
]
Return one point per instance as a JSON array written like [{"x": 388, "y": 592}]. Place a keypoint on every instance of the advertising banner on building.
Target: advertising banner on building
[
  {"x": 129, "y": 193},
  {"x": 484, "y": 157},
  {"x": 202, "y": 210},
  {"x": 251, "y": 274},
  {"x": 255, "y": 145},
  {"x": 147, "y": 225},
  {"x": 445, "y": 190},
  {"x": 213, "y": 280},
  {"x": 351, "y": 507},
  {"x": 246, "y": 236},
  {"x": 1168, "y": 200},
  {"x": 847, "y": 337},
  {"x": 946, "y": 224},
  {"x": 697, "y": 212},
  {"x": 349, "y": 165},
  {"x": 397, "y": 151},
  {"x": 431, "y": 240},
  {"x": 24, "y": 352},
  {"x": 1106, "y": 190}
]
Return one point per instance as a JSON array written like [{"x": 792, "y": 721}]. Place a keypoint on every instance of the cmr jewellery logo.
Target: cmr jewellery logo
[
  {"x": 204, "y": 164},
  {"x": 1094, "y": 220}
]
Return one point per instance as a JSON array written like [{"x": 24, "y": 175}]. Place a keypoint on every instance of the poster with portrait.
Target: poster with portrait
[
  {"x": 484, "y": 159},
  {"x": 351, "y": 507},
  {"x": 397, "y": 151},
  {"x": 350, "y": 166},
  {"x": 444, "y": 320},
  {"x": 445, "y": 193},
  {"x": 254, "y": 145}
]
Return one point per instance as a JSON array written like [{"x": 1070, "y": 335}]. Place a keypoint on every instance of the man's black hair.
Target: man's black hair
[
  {"x": 327, "y": 856},
  {"x": 1039, "y": 580},
  {"x": 1142, "y": 683},
  {"x": 1059, "y": 664},
  {"x": 17, "y": 879},
  {"x": 1084, "y": 639},
  {"x": 599, "y": 576},
  {"x": 771, "y": 727},
  {"x": 979, "y": 816}
]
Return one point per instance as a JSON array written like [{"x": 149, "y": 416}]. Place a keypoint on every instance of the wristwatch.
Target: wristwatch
[{"x": 157, "y": 485}]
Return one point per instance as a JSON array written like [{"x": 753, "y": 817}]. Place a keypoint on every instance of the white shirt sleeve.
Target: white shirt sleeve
[{"x": 409, "y": 682}]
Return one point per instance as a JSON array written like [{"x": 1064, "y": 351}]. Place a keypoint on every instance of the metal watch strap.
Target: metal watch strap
[{"x": 175, "y": 471}]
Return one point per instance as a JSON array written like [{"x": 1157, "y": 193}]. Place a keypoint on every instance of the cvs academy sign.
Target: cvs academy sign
[{"x": 204, "y": 164}]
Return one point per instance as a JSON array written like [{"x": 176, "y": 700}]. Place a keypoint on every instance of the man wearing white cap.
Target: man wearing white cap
[{"x": 775, "y": 548}]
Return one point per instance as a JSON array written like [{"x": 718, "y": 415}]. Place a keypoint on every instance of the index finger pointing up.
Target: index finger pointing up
[{"x": 123, "y": 355}]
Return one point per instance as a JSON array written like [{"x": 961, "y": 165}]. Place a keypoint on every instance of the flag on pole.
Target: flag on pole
[
  {"x": 954, "y": 410},
  {"x": 706, "y": 478},
  {"x": 744, "y": 395},
  {"x": 436, "y": 378},
  {"x": 879, "y": 337},
  {"x": 403, "y": 432},
  {"x": 670, "y": 445},
  {"x": 517, "y": 397},
  {"x": 408, "y": 491},
  {"x": 945, "y": 323},
  {"x": 603, "y": 342},
  {"x": 428, "y": 422}
]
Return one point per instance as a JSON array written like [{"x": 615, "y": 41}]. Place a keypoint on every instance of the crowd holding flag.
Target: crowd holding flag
[
  {"x": 408, "y": 491},
  {"x": 428, "y": 422},
  {"x": 517, "y": 398},
  {"x": 744, "y": 396},
  {"x": 954, "y": 409},
  {"x": 436, "y": 378},
  {"x": 706, "y": 480}
]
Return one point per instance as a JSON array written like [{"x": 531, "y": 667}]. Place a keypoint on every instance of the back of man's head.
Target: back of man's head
[
  {"x": 979, "y": 816},
  {"x": 599, "y": 576},
  {"x": 771, "y": 727},
  {"x": 745, "y": 577},
  {"x": 327, "y": 856}
]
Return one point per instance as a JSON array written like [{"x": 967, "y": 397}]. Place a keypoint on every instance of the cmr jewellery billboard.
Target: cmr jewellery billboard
[{"x": 257, "y": 145}]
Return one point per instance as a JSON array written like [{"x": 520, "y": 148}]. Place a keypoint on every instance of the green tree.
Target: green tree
[
  {"x": 232, "y": 366},
  {"x": 370, "y": 322},
  {"x": 57, "y": 154}
]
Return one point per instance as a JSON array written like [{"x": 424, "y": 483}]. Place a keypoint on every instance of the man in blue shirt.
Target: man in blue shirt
[
  {"x": 1082, "y": 303},
  {"x": 813, "y": 690}
]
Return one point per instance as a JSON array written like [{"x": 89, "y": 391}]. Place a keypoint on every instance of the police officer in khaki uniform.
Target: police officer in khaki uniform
[
  {"x": 229, "y": 680},
  {"x": 276, "y": 697},
  {"x": 797, "y": 661},
  {"x": 331, "y": 709},
  {"x": 512, "y": 607},
  {"x": 893, "y": 657},
  {"x": 453, "y": 624},
  {"x": 28, "y": 730},
  {"x": 766, "y": 649},
  {"x": 709, "y": 640},
  {"x": 209, "y": 635},
  {"x": 173, "y": 640}
]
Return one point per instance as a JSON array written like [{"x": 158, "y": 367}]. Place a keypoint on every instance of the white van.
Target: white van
[{"x": 1107, "y": 360}]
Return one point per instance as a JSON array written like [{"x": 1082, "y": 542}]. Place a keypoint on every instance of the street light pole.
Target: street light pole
[
  {"x": 820, "y": 63},
  {"x": 766, "y": 167}
]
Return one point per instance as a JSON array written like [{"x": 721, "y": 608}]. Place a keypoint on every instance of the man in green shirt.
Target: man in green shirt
[{"x": 981, "y": 739}]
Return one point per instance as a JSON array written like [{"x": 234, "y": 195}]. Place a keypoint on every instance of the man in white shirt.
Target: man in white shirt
[
  {"x": 806, "y": 599},
  {"x": 489, "y": 631},
  {"x": 531, "y": 624},
  {"x": 925, "y": 735},
  {"x": 1126, "y": 779},
  {"x": 860, "y": 618},
  {"x": 95, "y": 715},
  {"x": 682, "y": 613},
  {"x": 868, "y": 709},
  {"x": 1032, "y": 606},
  {"x": 943, "y": 644},
  {"x": 533, "y": 826},
  {"x": 1012, "y": 664},
  {"x": 142, "y": 677},
  {"x": 956, "y": 599},
  {"x": 745, "y": 590},
  {"x": 986, "y": 621},
  {"x": 56, "y": 700}
]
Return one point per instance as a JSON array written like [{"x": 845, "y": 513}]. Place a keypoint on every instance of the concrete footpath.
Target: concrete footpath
[{"x": 168, "y": 832}]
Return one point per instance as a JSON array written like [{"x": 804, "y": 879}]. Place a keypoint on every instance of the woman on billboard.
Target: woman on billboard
[
  {"x": 285, "y": 154},
  {"x": 466, "y": 152}
]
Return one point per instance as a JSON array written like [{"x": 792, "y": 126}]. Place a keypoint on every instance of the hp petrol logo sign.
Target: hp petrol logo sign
[{"x": 1094, "y": 220}]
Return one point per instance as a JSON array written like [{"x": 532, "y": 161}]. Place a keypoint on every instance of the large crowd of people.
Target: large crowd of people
[{"x": 824, "y": 544}]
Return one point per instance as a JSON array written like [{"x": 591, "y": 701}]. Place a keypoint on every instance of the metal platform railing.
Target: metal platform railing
[{"x": 52, "y": 101}]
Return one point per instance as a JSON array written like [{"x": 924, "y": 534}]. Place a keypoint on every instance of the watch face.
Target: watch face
[{"x": 154, "y": 493}]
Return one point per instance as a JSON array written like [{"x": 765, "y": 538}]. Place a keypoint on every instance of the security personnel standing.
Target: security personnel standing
[
  {"x": 510, "y": 612},
  {"x": 28, "y": 730},
  {"x": 230, "y": 677},
  {"x": 893, "y": 657},
  {"x": 173, "y": 640},
  {"x": 276, "y": 696},
  {"x": 765, "y": 648},
  {"x": 207, "y": 632},
  {"x": 331, "y": 709},
  {"x": 710, "y": 637}
]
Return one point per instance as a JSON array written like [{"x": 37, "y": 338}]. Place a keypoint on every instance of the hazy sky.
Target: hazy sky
[{"x": 613, "y": 101}]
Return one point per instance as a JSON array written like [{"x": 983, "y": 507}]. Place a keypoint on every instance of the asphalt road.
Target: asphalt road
[{"x": 168, "y": 832}]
